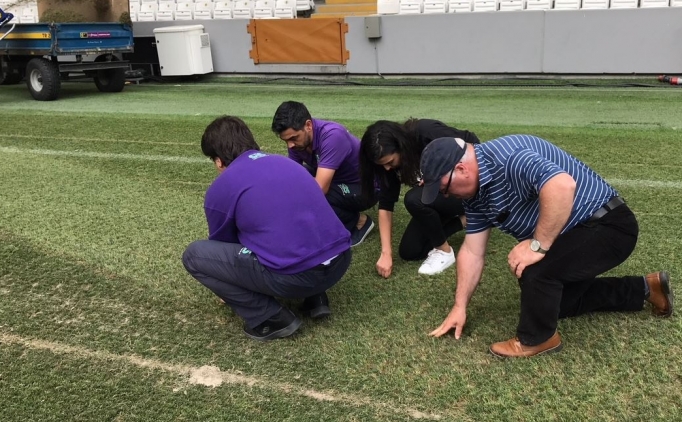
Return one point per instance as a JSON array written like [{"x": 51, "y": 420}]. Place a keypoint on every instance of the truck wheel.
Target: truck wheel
[
  {"x": 9, "y": 75},
  {"x": 42, "y": 79},
  {"x": 110, "y": 80}
]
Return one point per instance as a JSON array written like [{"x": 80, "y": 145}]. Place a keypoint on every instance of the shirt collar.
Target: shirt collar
[{"x": 484, "y": 176}]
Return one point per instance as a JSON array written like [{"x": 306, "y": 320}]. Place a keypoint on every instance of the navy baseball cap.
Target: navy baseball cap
[{"x": 438, "y": 158}]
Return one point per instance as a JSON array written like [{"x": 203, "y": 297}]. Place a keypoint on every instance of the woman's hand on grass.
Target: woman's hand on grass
[{"x": 385, "y": 265}]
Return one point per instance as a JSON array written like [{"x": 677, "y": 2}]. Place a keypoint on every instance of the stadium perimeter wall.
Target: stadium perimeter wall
[{"x": 621, "y": 41}]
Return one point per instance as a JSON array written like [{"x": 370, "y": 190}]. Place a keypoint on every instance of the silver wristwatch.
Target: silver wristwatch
[{"x": 536, "y": 247}]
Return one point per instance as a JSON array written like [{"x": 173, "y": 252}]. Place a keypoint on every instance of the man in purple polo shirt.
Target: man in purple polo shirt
[
  {"x": 270, "y": 233},
  {"x": 332, "y": 155}
]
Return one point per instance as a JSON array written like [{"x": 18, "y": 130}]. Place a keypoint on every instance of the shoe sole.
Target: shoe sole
[
  {"x": 281, "y": 333},
  {"x": 667, "y": 291},
  {"x": 555, "y": 349},
  {"x": 320, "y": 312},
  {"x": 362, "y": 239}
]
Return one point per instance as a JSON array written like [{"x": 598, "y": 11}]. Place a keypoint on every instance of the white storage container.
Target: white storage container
[{"x": 183, "y": 50}]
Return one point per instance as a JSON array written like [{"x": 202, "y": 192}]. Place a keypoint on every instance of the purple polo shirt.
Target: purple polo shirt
[
  {"x": 273, "y": 207},
  {"x": 333, "y": 148}
]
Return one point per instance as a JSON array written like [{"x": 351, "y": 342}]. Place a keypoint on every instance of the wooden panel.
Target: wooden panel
[{"x": 298, "y": 41}]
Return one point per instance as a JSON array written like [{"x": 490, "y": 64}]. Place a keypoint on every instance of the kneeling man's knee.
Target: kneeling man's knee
[{"x": 189, "y": 255}]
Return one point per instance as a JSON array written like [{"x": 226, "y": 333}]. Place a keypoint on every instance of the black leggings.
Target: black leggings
[{"x": 430, "y": 226}]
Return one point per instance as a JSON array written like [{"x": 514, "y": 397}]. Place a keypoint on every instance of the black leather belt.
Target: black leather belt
[{"x": 613, "y": 203}]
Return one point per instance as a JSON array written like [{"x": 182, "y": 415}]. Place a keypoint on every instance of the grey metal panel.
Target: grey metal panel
[
  {"x": 492, "y": 42},
  {"x": 146, "y": 29},
  {"x": 231, "y": 48},
  {"x": 373, "y": 27},
  {"x": 613, "y": 41},
  {"x": 364, "y": 52}
]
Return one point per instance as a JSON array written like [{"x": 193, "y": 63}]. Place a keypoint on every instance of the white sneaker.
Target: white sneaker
[{"x": 437, "y": 262}]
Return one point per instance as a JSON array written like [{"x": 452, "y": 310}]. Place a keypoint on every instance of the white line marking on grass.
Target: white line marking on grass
[
  {"x": 654, "y": 184},
  {"x": 70, "y": 138},
  {"x": 634, "y": 183},
  {"x": 179, "y": 182},
  {"x": 106, "y": 155},
  {"x": 212, "y": 376},
  {"x": 421, "y": 88}
]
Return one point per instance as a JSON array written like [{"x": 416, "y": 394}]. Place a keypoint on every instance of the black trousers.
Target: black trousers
[
  {"x": 565, "y": 283},
  {"x": 430, "y": 225},
  {"x": 236, "y": 276},
  {"x": 347, "y": 202}
]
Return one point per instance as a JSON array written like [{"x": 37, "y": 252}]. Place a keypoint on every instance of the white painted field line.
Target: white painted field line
[
  {"x": 635, "y": 183},
  {"x": 106, "y": 155},
  {"x": 420, "y": 88},
  {"x": 212, "y": 376},
  {"x": 638, "y": 183},
  {"x": 70, "y": 138}
]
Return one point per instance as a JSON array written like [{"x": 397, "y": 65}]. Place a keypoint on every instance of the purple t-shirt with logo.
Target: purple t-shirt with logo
[
  {"x": 273, "y": 207},
  {"x": 333, "y": 148}
]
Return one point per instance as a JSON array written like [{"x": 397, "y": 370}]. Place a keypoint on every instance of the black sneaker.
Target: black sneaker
[
  {"x": 316, "y": 306},
  {"x": 357, "y": 236},
  {"x": 281, "y": 325}
]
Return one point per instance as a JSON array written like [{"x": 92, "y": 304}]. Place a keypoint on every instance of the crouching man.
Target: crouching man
[
  {"x": 571, "y": 225},
  {"x": 271, "y": 233}
]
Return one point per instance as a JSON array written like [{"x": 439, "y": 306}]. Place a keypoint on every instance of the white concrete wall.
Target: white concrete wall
[{"x": 623, "y": 41}]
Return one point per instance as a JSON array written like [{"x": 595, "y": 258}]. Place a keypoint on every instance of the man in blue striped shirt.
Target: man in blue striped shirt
[{"x": 571, "y": 227}]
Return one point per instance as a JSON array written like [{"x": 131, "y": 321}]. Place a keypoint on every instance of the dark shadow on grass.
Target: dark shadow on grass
[{"x": 61, "y": 298}]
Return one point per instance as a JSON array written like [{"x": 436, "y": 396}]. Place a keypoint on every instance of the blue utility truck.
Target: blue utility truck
[{"x": 43, "y": 53}]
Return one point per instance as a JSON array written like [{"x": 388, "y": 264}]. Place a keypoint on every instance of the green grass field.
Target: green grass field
[{"x": 99, "y": 195}]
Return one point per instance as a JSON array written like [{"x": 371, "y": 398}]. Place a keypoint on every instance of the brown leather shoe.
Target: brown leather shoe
[
  {"x": 660, "y": 293},
  {"x": 513, "y": 348}
]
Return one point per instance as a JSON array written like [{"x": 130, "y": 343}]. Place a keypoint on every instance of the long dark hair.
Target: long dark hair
[{"x": 383, "y": 138}]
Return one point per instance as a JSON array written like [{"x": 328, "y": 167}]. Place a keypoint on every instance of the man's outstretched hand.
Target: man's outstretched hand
[{"x": 455, "y": 320}]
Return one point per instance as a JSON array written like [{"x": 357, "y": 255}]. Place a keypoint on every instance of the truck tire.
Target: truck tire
[
  {"x": 109, "y": 80},
  {"x": 42, "y": 79},
  {"x": 10, "y": 75}
]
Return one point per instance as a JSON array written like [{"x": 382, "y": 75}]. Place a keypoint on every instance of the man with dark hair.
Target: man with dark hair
[
  {"x": 332, "y": 155},
  {"x": 571, "y": 226},
  {"x": 270, "y": 233}
]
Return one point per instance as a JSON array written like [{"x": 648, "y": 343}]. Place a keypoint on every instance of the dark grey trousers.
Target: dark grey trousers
[{"x": 235, "y": 275}]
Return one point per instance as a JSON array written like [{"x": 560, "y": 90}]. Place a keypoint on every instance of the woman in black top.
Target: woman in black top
[{"x": 389, "y": 157}]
